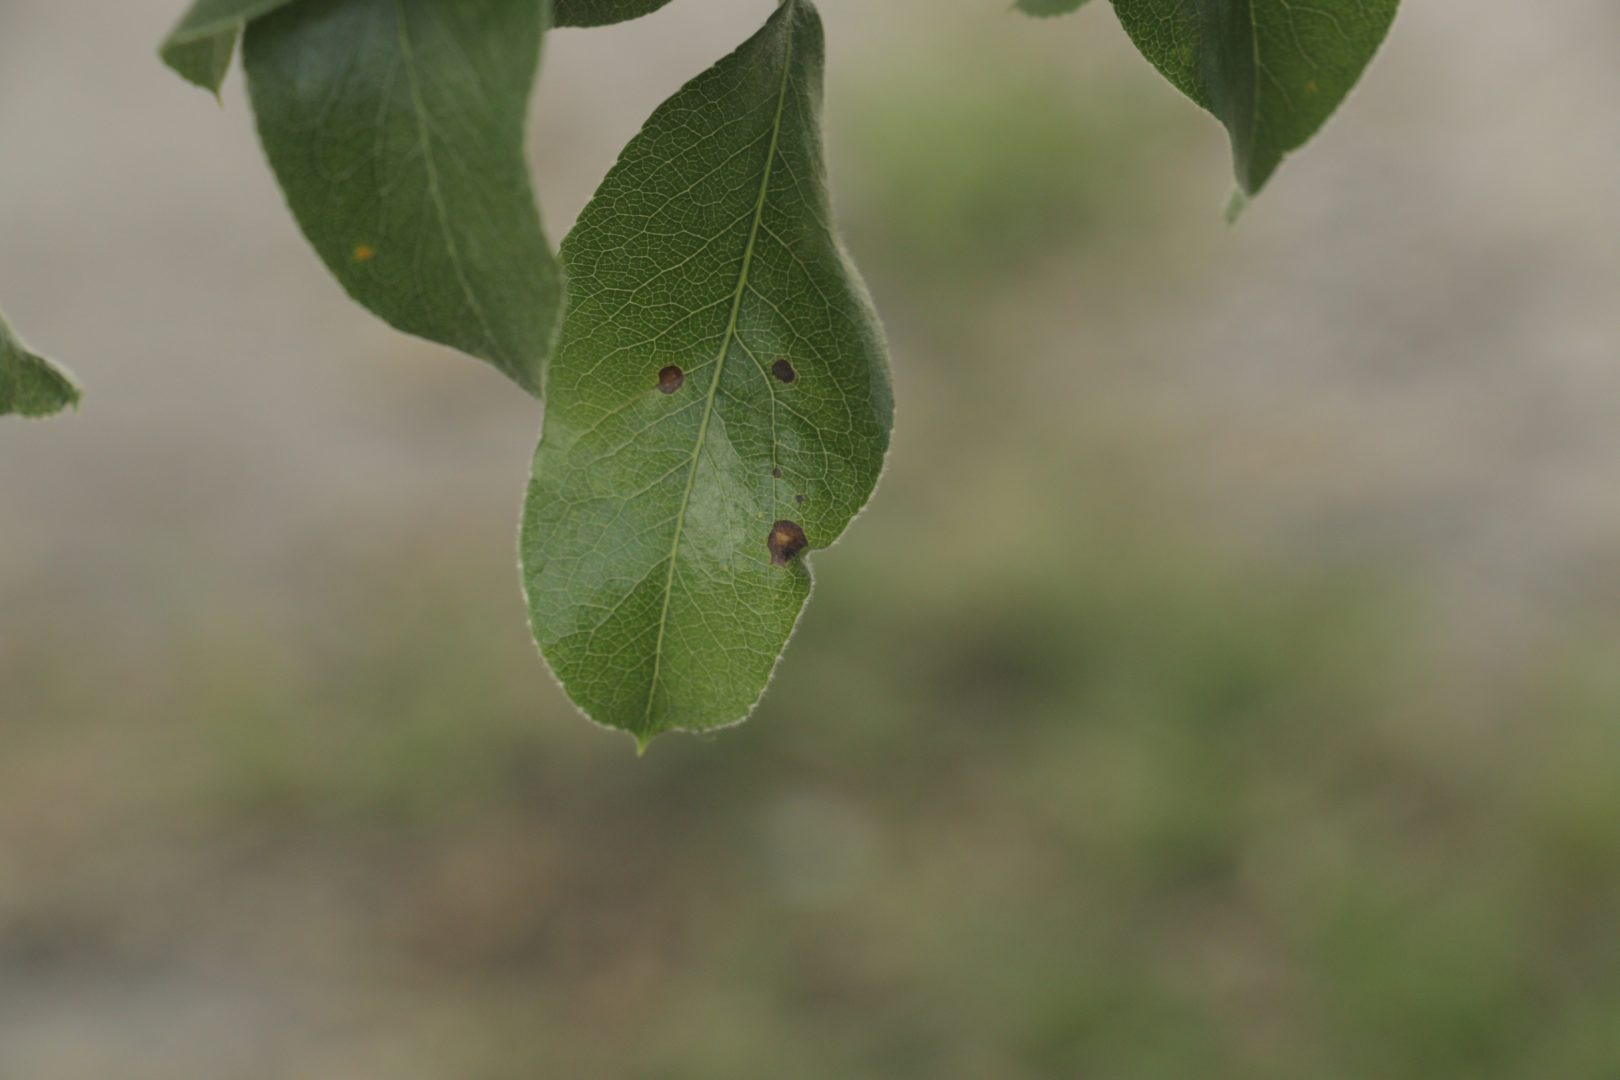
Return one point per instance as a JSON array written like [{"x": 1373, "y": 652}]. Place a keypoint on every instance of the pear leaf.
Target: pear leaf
[
  {"x": 1272, "y": 71},
  {"x": 201, "y": 47},
  {"x": 1042, "y": 9},
  {"x": 603, "y": 12},
  {"x": 719, "y": 404},
  {"x": 31, "y": 385},
  {"x": 396, "y": 129}
]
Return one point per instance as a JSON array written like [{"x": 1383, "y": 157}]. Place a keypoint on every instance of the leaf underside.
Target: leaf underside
[
  {"x": 1272, "y": 71},
  {"x": 31, "y": 385},
  {"x": 396, "y": 129},
  {"x": 603, "y": 12},
  {"x": 719, "y": 403}
]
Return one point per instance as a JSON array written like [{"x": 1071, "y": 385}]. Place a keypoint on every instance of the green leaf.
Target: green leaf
[
  {"x": 31, "y": 385},
  {"x": 603, "y": 12},
  {"x": 396, "y": 129},
  {"x": 1272, "y": 71},
  {"x": 719, "y": 403},
  {"x": 200, "y": 48},
  {"x": 1045, "y": 8}
]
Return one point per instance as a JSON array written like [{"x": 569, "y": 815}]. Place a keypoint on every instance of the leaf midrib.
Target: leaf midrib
[
  {"x": 1254, "y": 95},
  {"x": 720, "y": 366},
  {"x": 435, "y": 194}
]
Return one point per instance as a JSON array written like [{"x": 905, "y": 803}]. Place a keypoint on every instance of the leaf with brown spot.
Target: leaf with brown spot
[{"x": 655, "y": 591}]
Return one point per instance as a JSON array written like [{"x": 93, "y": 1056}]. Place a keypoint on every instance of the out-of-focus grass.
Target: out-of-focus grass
[
  {"x": 1081, "y": 798},
  {"x": 974, "y": 164}
]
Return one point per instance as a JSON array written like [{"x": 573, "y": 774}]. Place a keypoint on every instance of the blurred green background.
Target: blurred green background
[{"x": 1224, "y": 682}]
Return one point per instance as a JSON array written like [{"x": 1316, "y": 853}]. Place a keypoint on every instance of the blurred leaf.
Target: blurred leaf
[
  {"x": 1271, "y": 71},
  {"x": 719, "y": 403},
  {"x": 31, "y": 385},
  {"x": 396, "y": 129},
  {"x": 1045, "y": 8},
  {"x": 603, "y": 12},
  {"x": 200, "y": 48}
]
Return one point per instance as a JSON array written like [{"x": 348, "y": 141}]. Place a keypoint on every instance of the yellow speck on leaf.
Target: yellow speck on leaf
[
  {"x": 364, "y": 253},
  {"x": 1311, "y": 87}
]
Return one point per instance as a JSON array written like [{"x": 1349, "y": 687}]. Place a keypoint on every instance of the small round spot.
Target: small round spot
[
  {"x": 786, "y": 540},
  {"x": 801, "y": 499},
  {"x": 671, "y": 379},
  {"x": 783, "y": 370},
  {"x": 364, "y": 253},
  {"x": 776, "y": 474}
]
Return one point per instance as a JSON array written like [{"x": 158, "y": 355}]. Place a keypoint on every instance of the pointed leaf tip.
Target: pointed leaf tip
[
  {"x": 201, "y": 46},
  {"x": 1272, "y": 72},
  {"x": 30, "y": 385}
]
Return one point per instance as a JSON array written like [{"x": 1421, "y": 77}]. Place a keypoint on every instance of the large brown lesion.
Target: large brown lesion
[{"x": 786, "y": 540}]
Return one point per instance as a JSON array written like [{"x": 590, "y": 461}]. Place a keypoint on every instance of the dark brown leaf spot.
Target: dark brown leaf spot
[
  {"x": 671, "y": 379},
  {"x": 776, "y": 474},
  {"x": 783, "y": 370},
  {"x": 801, "y": 499},
  {"x": 786, "y": 541}
]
